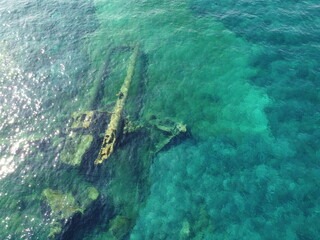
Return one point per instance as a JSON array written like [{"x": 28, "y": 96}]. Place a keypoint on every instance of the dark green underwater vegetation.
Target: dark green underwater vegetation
[{"x": 243, "y": 76}]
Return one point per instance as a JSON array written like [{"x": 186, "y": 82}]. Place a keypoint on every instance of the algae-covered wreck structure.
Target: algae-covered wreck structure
[{"x": 85, "y": 128}]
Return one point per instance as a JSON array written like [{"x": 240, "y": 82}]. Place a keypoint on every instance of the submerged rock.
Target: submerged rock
[
  {"x": 185, "y": 230},
  {"x": 64, "y": 206},
  {"x": 120, "y": 226}
]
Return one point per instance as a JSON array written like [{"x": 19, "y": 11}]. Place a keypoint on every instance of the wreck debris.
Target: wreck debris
[
  {"x": 75, "y": 147},
  {"x": 81, "y": 135},
  {"x": 113, "y": 129},
  {"x": 82, "y": 119},
  {"x": 168, "y": 128},
  {"x": 130, "y": 127}
]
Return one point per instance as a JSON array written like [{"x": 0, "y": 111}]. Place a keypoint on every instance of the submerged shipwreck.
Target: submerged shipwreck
[
  {"x": 91, "y": 138},
  {"x": 86, "y": 127}
]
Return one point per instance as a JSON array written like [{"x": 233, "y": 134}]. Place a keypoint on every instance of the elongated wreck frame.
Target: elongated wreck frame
[{"x": 114, "y": 126}]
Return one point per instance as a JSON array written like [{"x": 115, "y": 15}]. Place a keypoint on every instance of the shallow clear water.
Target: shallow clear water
[{"x": 243, "y": 77}]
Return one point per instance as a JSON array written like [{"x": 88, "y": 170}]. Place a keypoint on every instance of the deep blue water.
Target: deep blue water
[{"x": 242, "y": 76}]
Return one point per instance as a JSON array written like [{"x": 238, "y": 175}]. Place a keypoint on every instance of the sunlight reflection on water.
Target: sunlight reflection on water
[{"x": 18, "y": 105}]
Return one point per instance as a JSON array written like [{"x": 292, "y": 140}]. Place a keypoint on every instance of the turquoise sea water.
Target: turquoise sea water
[{"x": 243, "y": 76}]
